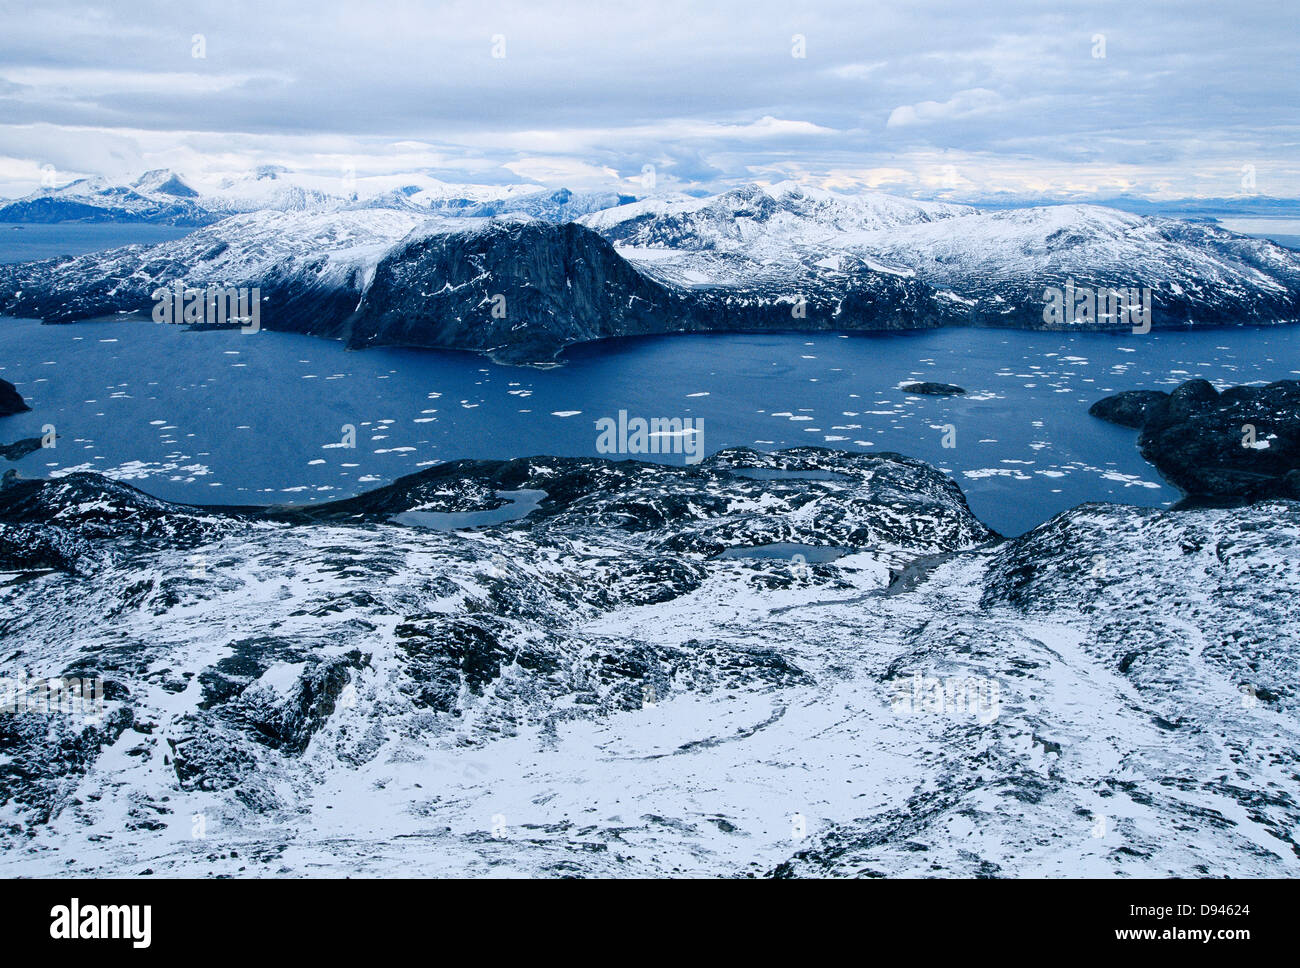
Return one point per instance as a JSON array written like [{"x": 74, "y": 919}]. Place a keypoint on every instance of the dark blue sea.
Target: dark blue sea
[{"x": 225, "y": 417}]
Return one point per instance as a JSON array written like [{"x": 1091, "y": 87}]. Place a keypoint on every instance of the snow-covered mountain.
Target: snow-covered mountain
[
  {"x": 758, "y": 259},
  {"x": 767, "y": 241},
  {"x": 434, "y": 196},
  {"x": 560, "y": 205},
  {"x": 762, "y": 219},
  {"x": 1197, "y": 271},
  {"x": 991, "y": 266},
  {"x": 622, "y": 684},
  {"x": 157, "y": 196},
  {"x": 309, "y": 265},
  {"x": 519, "y": 288},
  {"x": 164, "y": 182},
  {"x": 266, "y": 188},
  {"x": 163, "y": 196}
]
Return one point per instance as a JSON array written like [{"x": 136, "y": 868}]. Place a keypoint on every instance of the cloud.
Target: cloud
[
  {"x": 52, "y": 82},
  {"x": 708, "y": 94},
  {"x": 562, "y": 170},
  {"x": 964, "y": 104},
  {"x": 858, "y": 72}
]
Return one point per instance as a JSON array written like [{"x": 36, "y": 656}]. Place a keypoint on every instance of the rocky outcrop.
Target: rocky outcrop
[
  {"x": 1239, "y": 445},
  {"x": 932, "y": 389},
  {"x": 519, "y": 290},
  {"x": 1130, "y": 408},
  {"x": 20, "y": 448},
  {"x": 11, "y": 401}
]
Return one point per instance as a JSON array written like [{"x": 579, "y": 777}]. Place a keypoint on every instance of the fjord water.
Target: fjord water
[
  {"x": 230, "y": 418},
  {"x": 29, "y": 241}
]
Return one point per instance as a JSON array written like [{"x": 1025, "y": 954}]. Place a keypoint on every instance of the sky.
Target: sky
[{"x": 1059, "y": 100}]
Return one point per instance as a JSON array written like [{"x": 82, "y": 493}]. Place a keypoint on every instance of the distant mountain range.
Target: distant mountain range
[
  {"x": 1240, "y": 206},
  {"x": 157, "y": 197},
  {"x": 165, "y": 198},
  {"x": 524, "y": 275}
]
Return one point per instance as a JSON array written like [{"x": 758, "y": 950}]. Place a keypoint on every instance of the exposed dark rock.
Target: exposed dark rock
[
  {"x": 46, "y": 755},
  {"x": 98, "y": 507},
  {"x": 20, "y": 449},
  {"x": 1128, "y": 409},
  {"x": 1242, "y": 444},
  {"x": 287, "y": 720},
  {"x": 522, "y": 291},
  {"x": 35, "y": 547},
  {"x": 11, "y": 401},
  {"x": 932, "y": 389}
]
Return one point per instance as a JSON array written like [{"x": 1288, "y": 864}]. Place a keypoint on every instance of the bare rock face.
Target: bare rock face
[
  {"x": 1239, "y": 445},
  {"x": 1128, "y": 409},
  {"x": 520, "y": 290},
  {"x": 11, "y": 401}
]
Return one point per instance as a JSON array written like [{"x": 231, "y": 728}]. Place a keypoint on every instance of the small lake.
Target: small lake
[
  {"x": 789, "y": 551},
  {"x": 233, "y": 418},
  {"x": 519, "y": 504}
]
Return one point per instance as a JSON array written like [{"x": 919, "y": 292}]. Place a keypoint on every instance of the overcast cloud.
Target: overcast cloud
[{"x": 968, "y": 101}]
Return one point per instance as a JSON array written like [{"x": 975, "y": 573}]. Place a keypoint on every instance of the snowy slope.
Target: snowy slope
[
  {"x": 1195, "y": 268},
  {"x": 595, "y": 691},
  {"x": 162, "y": 182},
  {"x": 291, "y": 256},
  {"x": 267, "y": 187},
  {"x": 991, "y": 267},
  {"x": 157, "y": 196},
  {"x": 164, "y": 196},
  {"x": 560, "y": 205},
  {"x": 754, "y": 232},
  {"x": 779, "y": 216}
]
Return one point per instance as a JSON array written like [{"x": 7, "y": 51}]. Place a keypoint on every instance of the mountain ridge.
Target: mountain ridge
[{"x": 782, "y": 257}]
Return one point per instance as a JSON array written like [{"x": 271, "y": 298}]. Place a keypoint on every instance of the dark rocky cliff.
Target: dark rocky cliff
[{"x": 1241, "y": 444}]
